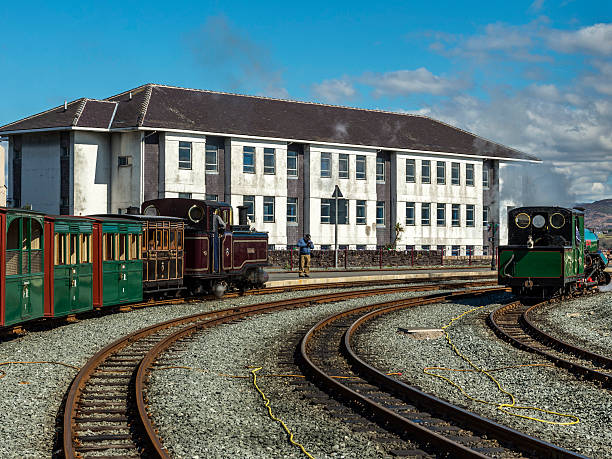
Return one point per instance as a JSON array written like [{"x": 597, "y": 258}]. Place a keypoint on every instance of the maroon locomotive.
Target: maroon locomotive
[{"x": 218, "y": 254}]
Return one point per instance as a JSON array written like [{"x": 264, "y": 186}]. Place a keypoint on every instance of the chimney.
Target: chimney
[
  {"x": 65, "y": 105},
  {"x": 130, "y": 96}
]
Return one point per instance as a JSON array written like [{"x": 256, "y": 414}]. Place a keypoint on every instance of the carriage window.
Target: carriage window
[
  {"x": 12, "y": 236},
  {"x": 73, "y": 249},
  {"x": 172, "y": 239},
  {"x": 158, "y": 239},
  {"x": 557, "y": 220},
  {"x": 85, "y": 248},
  {"x": 108, "y": 246},
  {"x": 24, "y": 234},
  {"x": 227, "y": 217},
  {"x": 60, "y": 249},
  {"x": 150, "y": 239},
  {"x": 522, "y": 220},
  {"x": 179, "y": 239},
  {"x": 122, "y": 246},
  {"x": 133, "y": 246},
  {"x": 36, "y": 235},
  {"x": 165, "y": 233}
]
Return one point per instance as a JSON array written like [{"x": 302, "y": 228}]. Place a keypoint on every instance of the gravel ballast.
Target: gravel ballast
[{"x": 546, "y": 387}]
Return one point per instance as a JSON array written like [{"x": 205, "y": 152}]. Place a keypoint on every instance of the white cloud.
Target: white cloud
[
  {"x": 333, "y": 90},
  {"x": 405, "y": 82},
  {"x": 536, "y": 6},
  {"x": 595, "y": 39}
]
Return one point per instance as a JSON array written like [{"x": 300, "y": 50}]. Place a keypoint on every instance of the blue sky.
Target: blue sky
[{"x": 535, "y": 75}]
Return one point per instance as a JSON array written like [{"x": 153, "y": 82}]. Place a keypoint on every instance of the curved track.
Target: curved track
[
  {"x": 439, "y": 426},
  {"x": 105, "y": 411},
  {"x": 515, "y": 323}
]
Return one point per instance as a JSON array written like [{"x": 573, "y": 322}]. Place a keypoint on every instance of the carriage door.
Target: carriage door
[
  {"x": 24, "y": 269},
  {"x": 122, "y": 257}
]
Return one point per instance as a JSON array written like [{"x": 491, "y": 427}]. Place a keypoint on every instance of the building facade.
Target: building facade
[{"x": 281, "y": 158}]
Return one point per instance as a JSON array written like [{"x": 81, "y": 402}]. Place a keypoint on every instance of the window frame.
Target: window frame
[
  {"x": 343, "y": 158},
  {"x": 426, "y": 165},
  {"x": 485, "y": 215},
  {"x": 326, "y": 158},
  {"x": 426, "y": 214},
  {"x": 381, "y": 176},
  {"x": 211, "y": 168},
  {"x": 456, "y": 167},
  {"x": 269, "y": 152},
  {"x": 184, "y": 145},
  {"x": 361, "y": 159},
  {"x": 441, "y": 179},
  {"x": 269, "y": 217},
  {"x": 249, "y": 151},
  {"x": 456, "y": 223},
  {"x": 185, "y": 195},
  {"x": 292, "y": 202},
  {"x": 293, "y": 155},
  {"x": 326, "y": 216},
  {"x": 410, "y": 206},
  {"x": 470, "y": 208},
  {"x": 441, "y": 221},
  {"x": 211, "y": 197},
  {"x": 246, "y": 201},
  {"x": 410, "y": 163},
  {"x": 485, "y": 178},
  {"x": 380, "y": 205},
  {"x": 361, "y": 219},
  {"x": 469, "y": 177}
]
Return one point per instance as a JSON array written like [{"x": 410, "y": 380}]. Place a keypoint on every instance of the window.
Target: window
[
  {"x": 123, "y": 161},
  {"x": 249, "y": 201},
  {"x": 122, "y": 246},
  {"x": 456, "y": 215},
  {"x": 211, "y": 197},
  {"x": 425, "y": 247},
  {"x": 441, "y": 214},
  {"x": 184, "y": 195},
  {"x": 72, "y": 249},
  {"x": 248, "y": 160},
  {"x": 184, "y": 155},
  {"x": 455, "y": 170},
  {"x": 134, "y": 239},
  {"x": 325, "y": 164},
  {"x": 292, "y": 164},
  {"x": 380, "y": 213},
  {"x": 485, "y": 250},
  {"x": 360, "y": 167},
  {"x": 425, "y": 213},
  {"x": 343, "y": 166},
  {"x": 441, "y": 173},
  {"x": 211, "y": 159},
  {"x": 485, "y": 177},
  {"x": 380, "y": 170},
  {"x": 325, "y": 211},
  {"x": 292, "y": 210},
  {"x": 343, "y": 214},
  {"x": 410, "y": 213},
  {"x": 410, "y": 170},
  {"x": 426, "y": 171},
  {"x": 268, "y": 209},
  {"x": 469, "y": 174},
  {"x": 269, "y": 161},
  {"x": 60, "y": 249},
  {"x": 455, "y": 250},
  {"x": 469, "y": 250},
  {"x": 325, "y": 247},
  {"x": 469, "y": 215},
  {"x": 86, "y": 249},
  {"x": 360, "y": 213},
  {"x": 108, "y": 246},
  {"x": 485, "y": 216},
  {"x": 360, "y": 247},
  {"x": 271, "y": 246}
]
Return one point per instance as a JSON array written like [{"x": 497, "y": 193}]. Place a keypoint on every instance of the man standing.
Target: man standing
[{"x": 305, "y": 245}]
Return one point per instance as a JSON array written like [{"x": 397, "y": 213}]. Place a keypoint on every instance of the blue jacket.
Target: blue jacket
[{"x": 305, "y": 247}]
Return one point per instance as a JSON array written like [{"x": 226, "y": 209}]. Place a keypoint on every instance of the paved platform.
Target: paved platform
[{"x": 284, "y": 279}]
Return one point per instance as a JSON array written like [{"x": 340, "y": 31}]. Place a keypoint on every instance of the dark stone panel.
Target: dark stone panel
[
  {"x": 383, "y": 193},
  {"x": 151, "y": 167},
  {"x": 64, "y": 173},
  {"x": 17, "y": 143},
  {"x": 295, "y": 189},
  {"x": 215, "y": 183}
]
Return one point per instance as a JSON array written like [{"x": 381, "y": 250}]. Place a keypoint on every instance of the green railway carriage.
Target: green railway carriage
[
  {"x": 21, "y": 266},
  {"x": 545, "y": 254},
  {"x": 117, "y": 261},
  {"x": 69, "y": 265}
]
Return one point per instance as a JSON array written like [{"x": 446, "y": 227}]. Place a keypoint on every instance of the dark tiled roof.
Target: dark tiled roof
[
  {"x": 164, "y": 107},
  {"x": 96, "y": 114},
  {"x": 54, "y": 118}
]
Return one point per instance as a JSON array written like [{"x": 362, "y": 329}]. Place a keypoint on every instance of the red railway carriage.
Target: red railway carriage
[{"x": 218, "y": 253}]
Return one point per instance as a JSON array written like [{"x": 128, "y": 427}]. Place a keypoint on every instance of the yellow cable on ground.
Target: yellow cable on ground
[
  {"x": 3, "y": 373},
  {"x": 267, "y": 404},
  {"x": 504, "y": 407}
]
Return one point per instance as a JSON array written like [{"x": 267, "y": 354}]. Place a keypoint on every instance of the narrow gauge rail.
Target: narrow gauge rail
[
  {"x": 440, "y": 426},
  {"x": 105, "y": 411},
  {"x": 514, "y": 322}
]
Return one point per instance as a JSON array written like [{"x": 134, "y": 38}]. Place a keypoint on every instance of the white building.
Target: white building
[{"x": 282, "y": 158}]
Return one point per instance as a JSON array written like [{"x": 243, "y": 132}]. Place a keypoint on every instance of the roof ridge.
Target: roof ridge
[
  {"x": 128, "y": 91},
  {"x": 79, "y": 111},
  {"x": 41, "y": 113},
  {"x": 145, "y": 104}
]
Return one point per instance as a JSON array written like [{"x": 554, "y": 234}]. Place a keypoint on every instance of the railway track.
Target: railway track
[
  {"x": 106, "y": 408},
  {"x": 515, "y": 323},
  {"x": 439, "y": 426}
]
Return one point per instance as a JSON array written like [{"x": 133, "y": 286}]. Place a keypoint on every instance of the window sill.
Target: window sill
[
  {"x": 212, "y": 172},
  {"x": 247, "y": 172},
  {"x": 292, "y": 224},
  {"x": 269, "y": 173},
  {"x": 184, "y": 168},
  {"x": 378, "y": 225},
  {"x": 292, "y": 177}
]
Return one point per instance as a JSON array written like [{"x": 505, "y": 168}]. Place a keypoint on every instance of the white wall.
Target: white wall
[
  {"x": 91, "y": 165},
  {"x": 419, "y": 193},
  {"x": 183, "y": 180},
  {"x": 126, "y": 188},
  {"x": 351, "y": 188},
  {"x": 40, "y": 172}
]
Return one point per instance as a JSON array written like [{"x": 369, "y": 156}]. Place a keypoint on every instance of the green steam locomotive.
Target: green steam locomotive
[{"x": 550, "y": 252}]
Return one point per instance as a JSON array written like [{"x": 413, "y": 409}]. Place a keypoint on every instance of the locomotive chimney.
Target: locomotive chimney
[{"x": 242, "y": 215}]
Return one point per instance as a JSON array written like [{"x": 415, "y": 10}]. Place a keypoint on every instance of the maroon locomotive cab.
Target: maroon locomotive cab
[
  {"x": 226, "y": 252},
  {"x": 249, "y": 250},
  {"x": 197, "y": 253}
]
